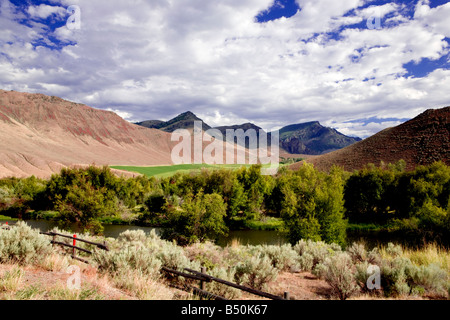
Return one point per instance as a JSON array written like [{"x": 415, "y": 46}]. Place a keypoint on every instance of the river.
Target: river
[{"x": 244, "y": 237}]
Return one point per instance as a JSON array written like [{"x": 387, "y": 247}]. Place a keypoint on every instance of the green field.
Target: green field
[{"x": 167, "y": 171}]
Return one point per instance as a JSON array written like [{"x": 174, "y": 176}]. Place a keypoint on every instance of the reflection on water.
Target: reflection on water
[{"x": 252, "y": 237}]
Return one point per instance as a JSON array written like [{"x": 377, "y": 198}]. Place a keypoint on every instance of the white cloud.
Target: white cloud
[
  {"x": 43, "y": 11},
  {"x": 155, "y": 59},
  {"x": 123, "y": 114}
]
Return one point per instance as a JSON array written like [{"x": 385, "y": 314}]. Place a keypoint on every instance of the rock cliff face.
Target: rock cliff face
[
  {"x": 419, "y": 141},
  {"x": 40, "y": 134}
]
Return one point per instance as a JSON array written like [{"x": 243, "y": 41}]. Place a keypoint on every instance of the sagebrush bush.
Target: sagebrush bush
[
  {"x": 358, "y": 253},
  {"x": 174, "y": 257},
  {"x": 431, "y": 278},
  {"x": 340, "y": 275},
  {"x": 208, "y": 254},
  {"x": 128, "y": 258},
  {"x": 132, "y": 236},
  {"x": 221, "y": 289},
  {"x": 393, "y": 250},
  {"x": 22, "y": 244},
  {"x": 394, "y": 276},
  {"x": 312, "y": 253},
  {"x": 320, "y": 270},
  {"x": 256, "y": 272},
  {"x": 282, "y": 257}
]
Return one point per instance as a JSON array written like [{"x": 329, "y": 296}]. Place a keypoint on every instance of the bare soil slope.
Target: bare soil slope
[
  {"x": 41, "y": 134},
  {"x": 419, "y": 141}
]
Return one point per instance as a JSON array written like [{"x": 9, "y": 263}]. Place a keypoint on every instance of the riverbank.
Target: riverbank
[
  {"x": 131, "y": 269},
  {"x": 254, "y": 232}
]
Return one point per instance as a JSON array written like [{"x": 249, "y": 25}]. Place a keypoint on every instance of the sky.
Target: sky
[{"x": 358, "y": 66}]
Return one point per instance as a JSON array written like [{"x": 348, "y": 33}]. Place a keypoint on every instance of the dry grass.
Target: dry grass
[{"x": 430, "y": 254}]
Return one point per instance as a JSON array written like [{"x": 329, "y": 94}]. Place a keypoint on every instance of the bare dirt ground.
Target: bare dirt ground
[{"x": 301, "y": 286}]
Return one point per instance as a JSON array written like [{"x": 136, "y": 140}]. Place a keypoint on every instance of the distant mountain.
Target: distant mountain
[
  {"x": 182, "y": 121},
  {"x": 245, "y": 127},
  {"x": 309, "y": 138},
  {"x": 312, "y": 138},
  {"x": 42, "y": 134},
  {"x": 419, "y": 141},
  {"x": 152, "y": 124}
]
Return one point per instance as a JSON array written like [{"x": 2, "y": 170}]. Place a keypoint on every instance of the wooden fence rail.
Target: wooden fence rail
[
  {"x": 73, "y": 246},
  {"x": 203, "y": 277}
]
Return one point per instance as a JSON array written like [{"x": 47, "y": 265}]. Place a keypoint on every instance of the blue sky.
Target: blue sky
[{"x": 356, "y": 65}]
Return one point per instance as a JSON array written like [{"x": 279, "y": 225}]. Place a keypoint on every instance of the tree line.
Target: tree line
[{"x": 193, "y": 207}]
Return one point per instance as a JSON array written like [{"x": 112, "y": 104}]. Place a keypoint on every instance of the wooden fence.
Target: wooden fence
[
  {"x": 73, "y": 245},
  {"x": 202, "y": 277},
  {"x": 5, "y": 226}
]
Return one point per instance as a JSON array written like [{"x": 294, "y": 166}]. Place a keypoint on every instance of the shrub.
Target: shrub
[
  {"x": 340, "y": 275},
  {"x": 221, "y": 289},
  {"x": 394, "y": 276},
  {"x": 130, "y": 258},
  {"x": 256, "y": 272},
  {"x": 394, "y": 250},
  {"x": 432, "y": 279},
  {"x": 362, "y": 276},
  {"x": 320, "y": 270},
  {"x": 132, "y": 236},
  {"x": 312, "y": 253},
  {"x": 358, "y": 253},
  {"x": 22, "y": 244},
  {"x": 282, "y": 257},
  {"x": 174, "y": 257},
  {"x": 208, "y": 254}
]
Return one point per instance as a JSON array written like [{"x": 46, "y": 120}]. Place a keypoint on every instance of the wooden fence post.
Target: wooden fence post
[
  {"x": 202, "y": 283},
  {"x": 74, "y": 244}
]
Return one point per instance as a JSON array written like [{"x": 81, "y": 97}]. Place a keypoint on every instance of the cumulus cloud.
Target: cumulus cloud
[
  {"x": 44, "y": 11},
  {"x": 156, "y": 59}
]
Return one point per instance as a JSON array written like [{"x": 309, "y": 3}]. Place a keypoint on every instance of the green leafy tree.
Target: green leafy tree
[
  {"x": 199, "y": 218},
  {"x": 312, "y": 206},
  {"x": 82, "y": 206},
  {"x": 368, "y": 195}
]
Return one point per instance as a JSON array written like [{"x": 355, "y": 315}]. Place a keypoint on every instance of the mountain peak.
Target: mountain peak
[
  {"x": 313, "y": 138},
  {"x": 184, "y": 120}
]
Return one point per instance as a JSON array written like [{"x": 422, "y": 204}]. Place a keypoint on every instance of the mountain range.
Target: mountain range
[
  {"x": 309, "y": 138},
  {"x": 41, "y": 134}
]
